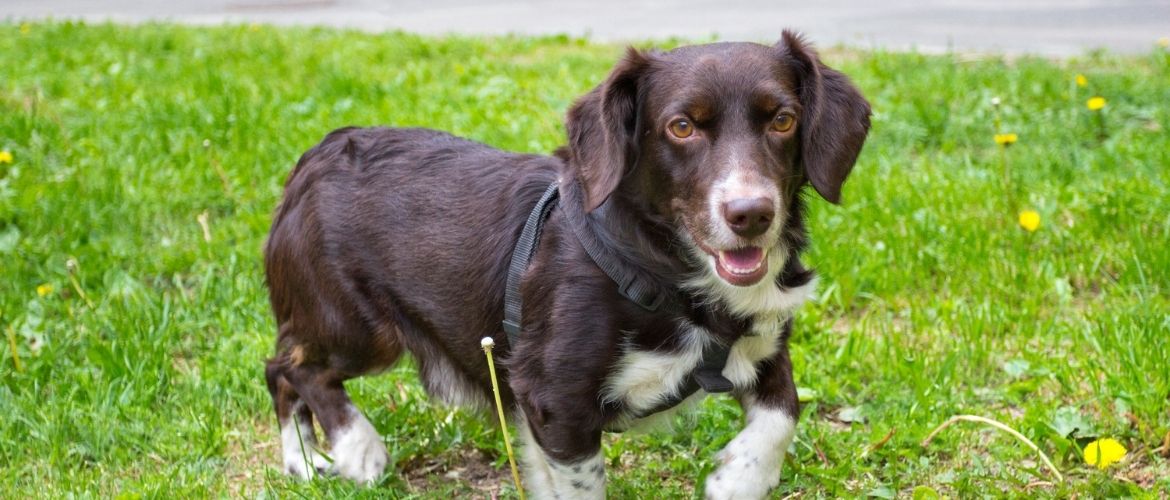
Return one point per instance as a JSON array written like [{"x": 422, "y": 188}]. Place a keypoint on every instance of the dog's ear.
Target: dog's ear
[
  {"x": 602, "y": 127},
  {"x": 834, "y": 121}
]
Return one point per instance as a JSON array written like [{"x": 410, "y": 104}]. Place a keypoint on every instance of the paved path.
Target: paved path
[{"x": 1048, "y": 27}]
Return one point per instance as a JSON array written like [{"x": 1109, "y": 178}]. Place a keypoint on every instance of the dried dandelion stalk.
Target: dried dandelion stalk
[{"x": 997, "y": 425}]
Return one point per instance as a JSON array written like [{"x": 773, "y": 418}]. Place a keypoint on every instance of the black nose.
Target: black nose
[{"x": 749, "y": 217}]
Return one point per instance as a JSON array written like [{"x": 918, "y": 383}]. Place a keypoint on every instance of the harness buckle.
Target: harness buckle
[
  {"x": 712, "y": 381},
  {"x": 640, "y": 295}
]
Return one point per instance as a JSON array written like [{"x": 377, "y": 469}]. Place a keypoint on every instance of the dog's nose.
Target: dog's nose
[{"x": 749, "y": 217}]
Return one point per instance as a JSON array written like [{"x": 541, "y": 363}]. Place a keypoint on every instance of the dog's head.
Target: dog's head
[{"x": 718, "y": 140}]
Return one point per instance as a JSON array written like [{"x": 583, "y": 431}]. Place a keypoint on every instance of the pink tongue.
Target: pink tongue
[{"x": 744, "y": 258}]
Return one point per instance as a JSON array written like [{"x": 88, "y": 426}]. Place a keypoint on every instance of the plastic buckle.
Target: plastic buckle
[
  {"x": 649, "y": 302},
  {"x": 712, "y": 381}
]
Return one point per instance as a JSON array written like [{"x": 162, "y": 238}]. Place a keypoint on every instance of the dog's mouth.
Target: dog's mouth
[{"x": 742, "y": 266}]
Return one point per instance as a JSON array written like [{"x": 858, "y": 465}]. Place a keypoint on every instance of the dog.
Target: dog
[{"x": 685, "y": 170}]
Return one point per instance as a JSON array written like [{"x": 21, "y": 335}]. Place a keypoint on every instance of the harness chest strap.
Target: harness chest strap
[{"x": 708, "y": 375}]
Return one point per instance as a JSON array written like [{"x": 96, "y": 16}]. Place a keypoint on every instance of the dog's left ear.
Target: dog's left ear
[
  {"x": 602, "y": 129},
  {"x": 834, "y": 121}
]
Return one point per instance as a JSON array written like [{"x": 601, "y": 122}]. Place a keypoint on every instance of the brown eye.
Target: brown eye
[
  {"x": 681, "y": 128},
  {"x": 783, "y": 122}
]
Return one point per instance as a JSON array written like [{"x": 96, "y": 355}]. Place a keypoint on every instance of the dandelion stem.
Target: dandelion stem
[
  {"x": 1007, "y": 178},
  {"x": 77, "y": 286},
  {"x": 71, "y": 267},
  {"x": 881, "y": 442},
  {"x": 1003, "y": 160},
  {"x": 12, "y": 345},
  {"x": 1101, "y": 133},
  {"x": 997, "y": 425},
  {"x": 487, "y": 344}
]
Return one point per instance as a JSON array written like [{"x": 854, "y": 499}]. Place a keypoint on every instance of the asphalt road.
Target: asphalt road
[{"x": 1045, "y": 27}]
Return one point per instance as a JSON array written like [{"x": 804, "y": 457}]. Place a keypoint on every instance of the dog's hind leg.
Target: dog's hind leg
[
  {"x": 306, "y": 379},
  {"x": 298, "y": 440},
  {"x": 356, "y": 448}
]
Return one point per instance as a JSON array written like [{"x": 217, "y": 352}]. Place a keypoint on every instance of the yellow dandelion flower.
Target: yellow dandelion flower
[
  {"x": 1081, "y": 80},
  {"x": 1030, "y": 220},
  {"x": 1006, "y": 139},
  {"x": 1095, "y": 103},
  {"x": 25, "y": 28},
  {"x": 5, "y": 156},
  {"x": 44, "y": 289},
  {"x": 1164, "y": 42},
  {"x": 1104, "y": 452},
  {"x": 254, "y": 27}
]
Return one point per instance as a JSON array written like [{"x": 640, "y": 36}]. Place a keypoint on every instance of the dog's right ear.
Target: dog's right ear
[{"x": 602, "y": 128}]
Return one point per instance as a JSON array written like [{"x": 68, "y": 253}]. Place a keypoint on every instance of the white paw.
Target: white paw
[
  {"x": 358, "y": 452},
  {"x": 298, "y": 450},
  {"x": 751, "y": 461},
  {"x": 743, "y": 477},
  {"x": 308, "y": 465}
]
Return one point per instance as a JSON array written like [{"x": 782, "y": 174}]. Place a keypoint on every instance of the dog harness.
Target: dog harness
[{"x": 708, "y": 375}]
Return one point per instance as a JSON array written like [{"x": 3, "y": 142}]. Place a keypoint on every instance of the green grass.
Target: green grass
[{"x": 141, "y": 368}]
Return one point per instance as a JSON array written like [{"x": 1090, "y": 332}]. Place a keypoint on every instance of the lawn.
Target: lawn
[{"x": 145, "y": 164}]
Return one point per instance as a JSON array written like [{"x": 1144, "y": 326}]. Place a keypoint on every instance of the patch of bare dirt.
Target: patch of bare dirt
[{"x": 470, "y": 467}]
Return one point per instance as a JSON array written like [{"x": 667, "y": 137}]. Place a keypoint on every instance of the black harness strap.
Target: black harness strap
[
  {"x": 707, "y": 376},
  {"x": 632, "y": 286},
  {"x": 522, "y": 256}
]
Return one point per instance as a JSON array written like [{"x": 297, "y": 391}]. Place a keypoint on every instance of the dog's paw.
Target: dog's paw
[
  {"x": 750, "y": 464},
  {"x": 358, "y": 452},
  {"x": 305, "y": 465},
  {"x": 743, "y": 476},
  {"x": 299, "y": 451}
]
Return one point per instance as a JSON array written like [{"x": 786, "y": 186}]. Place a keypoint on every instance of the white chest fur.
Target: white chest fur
[{"x": 644, "y": 379}]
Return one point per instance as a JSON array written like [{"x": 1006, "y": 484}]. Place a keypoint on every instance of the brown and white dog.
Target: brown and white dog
[{"x": 687, "y": 165}]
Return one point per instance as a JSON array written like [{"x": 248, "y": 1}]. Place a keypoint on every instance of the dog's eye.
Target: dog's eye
[
  {"x": 783, "y": 122},
  {"x": 681, "y": 128}
]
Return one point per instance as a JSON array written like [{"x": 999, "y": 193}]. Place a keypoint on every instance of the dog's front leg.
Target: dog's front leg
[
  {"x": 750, "y": 464},
  {"x": 557, "y": 471}
]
